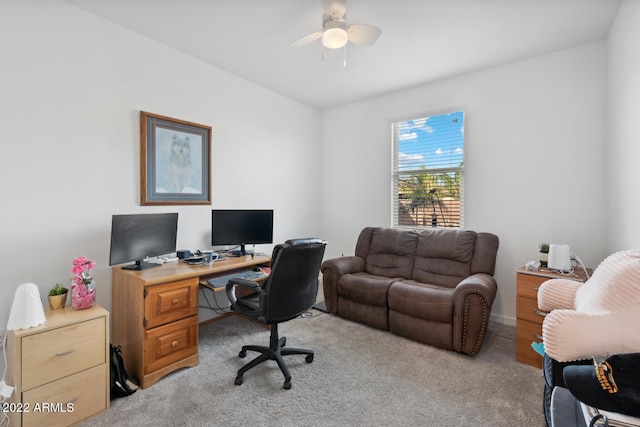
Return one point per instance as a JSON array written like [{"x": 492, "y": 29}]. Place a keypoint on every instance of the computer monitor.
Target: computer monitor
[
  {"x": 241, "y": 227},
  {"x": 138, "y": 236}
]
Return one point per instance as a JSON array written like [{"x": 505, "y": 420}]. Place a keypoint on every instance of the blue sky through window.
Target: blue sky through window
[{"x": 434, "y": 142}]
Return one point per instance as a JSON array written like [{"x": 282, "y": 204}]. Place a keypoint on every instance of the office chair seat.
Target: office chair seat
[
  {"x": 289, "y": 291},
  {"x": 250, "y": 302}
]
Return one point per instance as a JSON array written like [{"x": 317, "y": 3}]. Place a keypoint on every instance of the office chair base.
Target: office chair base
[{"x": 275, "y": 351}]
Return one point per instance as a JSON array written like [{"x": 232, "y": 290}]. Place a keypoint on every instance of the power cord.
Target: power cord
[
  {"x": 581, "y": 264},
  {"x": 572, "y": 272},
  {"x": 217, "y": 309}
]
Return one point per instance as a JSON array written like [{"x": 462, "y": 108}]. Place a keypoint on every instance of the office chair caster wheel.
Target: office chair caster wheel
[
  {"x": 309, "y": 358},
  {"x": 287, "y": 384},
  {"x": 239, "y": 380},
  {"x": 242, "y": 354}
]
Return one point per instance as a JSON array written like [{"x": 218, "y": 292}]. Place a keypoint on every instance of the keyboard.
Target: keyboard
[{"x": 221, "y": 281}]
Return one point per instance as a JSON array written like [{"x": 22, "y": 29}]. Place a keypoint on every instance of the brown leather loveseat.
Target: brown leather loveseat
[{"x": 434, "y": 286}]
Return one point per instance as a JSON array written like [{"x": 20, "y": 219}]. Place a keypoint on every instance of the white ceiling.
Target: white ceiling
[{"x": 422, "y": 40}]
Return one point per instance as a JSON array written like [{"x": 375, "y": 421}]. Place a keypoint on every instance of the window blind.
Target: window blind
[{"x": 428, "y": 171}]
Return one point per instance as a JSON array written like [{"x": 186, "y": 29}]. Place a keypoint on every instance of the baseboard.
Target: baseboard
[
  {"x": 322, "y": 306},
  {"x": 503, "y": 320}
]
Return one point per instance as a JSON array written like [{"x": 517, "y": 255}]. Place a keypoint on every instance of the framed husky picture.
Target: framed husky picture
[{"x": 175, "y": 161}]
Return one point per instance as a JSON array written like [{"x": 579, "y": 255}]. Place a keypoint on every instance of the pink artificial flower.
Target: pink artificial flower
[
  {"x": 80, "y": 260},
  {"x": 82, "y": 264}
]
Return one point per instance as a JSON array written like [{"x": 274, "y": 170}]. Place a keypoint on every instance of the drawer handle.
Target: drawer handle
[
  {"x": 536, "y": 288},
  {"x": 538, "y": 337},
  {"x": 175, "y": 301},
  {"x": 175, "y": 343},
  {"x": 540, "y": 313},
  {"x": 73, "y": 350}
]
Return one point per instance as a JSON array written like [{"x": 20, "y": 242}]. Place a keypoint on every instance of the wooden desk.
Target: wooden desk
[
  {"x": 528, "y": 317},
  {"x": 155, "y": 314}
]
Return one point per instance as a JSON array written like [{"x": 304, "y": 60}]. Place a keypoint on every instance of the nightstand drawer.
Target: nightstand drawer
[
  {"x": 526, "y": 333},
  {"x": 69, "y": 399},
  {"x": 59, "y": 352},
  {"x": 527, "y": 309},
  {"x": 527, "y": 285},
  {"x": 169, "y": 302},
  {"x": 170, "y": 343}
]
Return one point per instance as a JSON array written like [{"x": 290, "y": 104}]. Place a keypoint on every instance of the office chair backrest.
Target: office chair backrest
[{"x": 292, "y": 287}]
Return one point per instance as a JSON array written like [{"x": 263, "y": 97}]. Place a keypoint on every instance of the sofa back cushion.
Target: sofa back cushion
[
  {"x": 444, "y": 256},
  {"x": 390, "y": 251},
  {"x": 485, "y": 253}
]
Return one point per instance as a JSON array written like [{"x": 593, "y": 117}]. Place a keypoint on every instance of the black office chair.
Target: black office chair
[{"x": 289, "y": 291}]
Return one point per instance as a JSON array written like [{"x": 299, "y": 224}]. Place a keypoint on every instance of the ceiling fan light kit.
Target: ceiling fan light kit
[
  {"x": 335, "y": 32},
  {"x": 334, "y": 35}
]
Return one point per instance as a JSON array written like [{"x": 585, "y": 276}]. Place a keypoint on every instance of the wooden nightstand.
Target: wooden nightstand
[
  {"x": 60, "y": 369},
  {"x": 528, "y": 317}
]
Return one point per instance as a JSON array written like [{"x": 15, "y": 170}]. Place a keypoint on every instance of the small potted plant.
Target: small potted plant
[
  {"x": 544, "y": 254},
  {"x": 58, "y": 297}
]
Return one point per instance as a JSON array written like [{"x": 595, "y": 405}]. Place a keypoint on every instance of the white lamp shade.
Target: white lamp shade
[
  {"x": 559, "y": 257},
  {"x": 26, "y": 310}
]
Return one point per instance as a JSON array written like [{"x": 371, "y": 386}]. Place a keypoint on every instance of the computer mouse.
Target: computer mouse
[{"x": 257, "y": 269}]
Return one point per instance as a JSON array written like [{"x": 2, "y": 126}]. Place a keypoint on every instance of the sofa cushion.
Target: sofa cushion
[
  {"x": 484, "y": 253},
  {"x": 365, "y": 288},
  {"x": 443, "y": 257},
  {"x": 362, "y": 297},
  {"x": 392, "y": 252},
  {"x": 439, "y": 334},
  {"x": 429, "y": 302}
]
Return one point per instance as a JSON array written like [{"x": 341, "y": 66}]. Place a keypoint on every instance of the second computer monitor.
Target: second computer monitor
[{"x": 241, "y": 227}]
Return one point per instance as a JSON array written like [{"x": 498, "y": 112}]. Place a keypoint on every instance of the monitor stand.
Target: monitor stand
[
  {"x": 242, "y": 251},
  {"x": 140, "y": 265}
]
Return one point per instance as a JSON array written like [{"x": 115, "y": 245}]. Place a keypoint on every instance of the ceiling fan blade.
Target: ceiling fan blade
[
  {"x": 306, "y": 39},
  {"x": 335, "y": 8},
  {"x": 364, "y": 34}
]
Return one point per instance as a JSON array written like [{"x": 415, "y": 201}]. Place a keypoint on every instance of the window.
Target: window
[{"x": 428, "y": 171}]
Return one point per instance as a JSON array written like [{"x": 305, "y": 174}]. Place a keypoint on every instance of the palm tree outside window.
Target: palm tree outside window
[{"x": 428, "y": 171}]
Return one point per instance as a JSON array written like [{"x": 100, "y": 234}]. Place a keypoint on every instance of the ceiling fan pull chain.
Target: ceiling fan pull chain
[{"x": 344, "y": 64}]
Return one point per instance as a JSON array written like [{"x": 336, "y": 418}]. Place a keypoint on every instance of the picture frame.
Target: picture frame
[{"x": 175, "y": 161}]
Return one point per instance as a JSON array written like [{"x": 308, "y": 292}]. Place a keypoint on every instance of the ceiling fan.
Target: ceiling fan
[{"x": 335, "y": 32}]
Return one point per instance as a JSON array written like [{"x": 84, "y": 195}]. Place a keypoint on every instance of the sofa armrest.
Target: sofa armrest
[
  {"x": 332, "y": 270},
  {"x": 472, "y": 301}
]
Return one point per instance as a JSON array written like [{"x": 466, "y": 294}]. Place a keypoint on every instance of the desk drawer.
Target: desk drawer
[
  {"x": 85, "y": 391},
  {"x": 170, "y": 343},
  {"x": 59, "y": 352},
  {"x": 171, "y": 301},
  {"x": 527, "y": 309}
]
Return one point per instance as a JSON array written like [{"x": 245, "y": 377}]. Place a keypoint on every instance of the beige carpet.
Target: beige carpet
[{"x": 360, "y": 377}]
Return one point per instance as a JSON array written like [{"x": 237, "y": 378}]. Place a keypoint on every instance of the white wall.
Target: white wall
[
  {"x": 71, "y": 89},
  {"x": 623, "y": 149},
  {"x": 72, "y": 86},
  {"x": 533, "y": 157}
]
